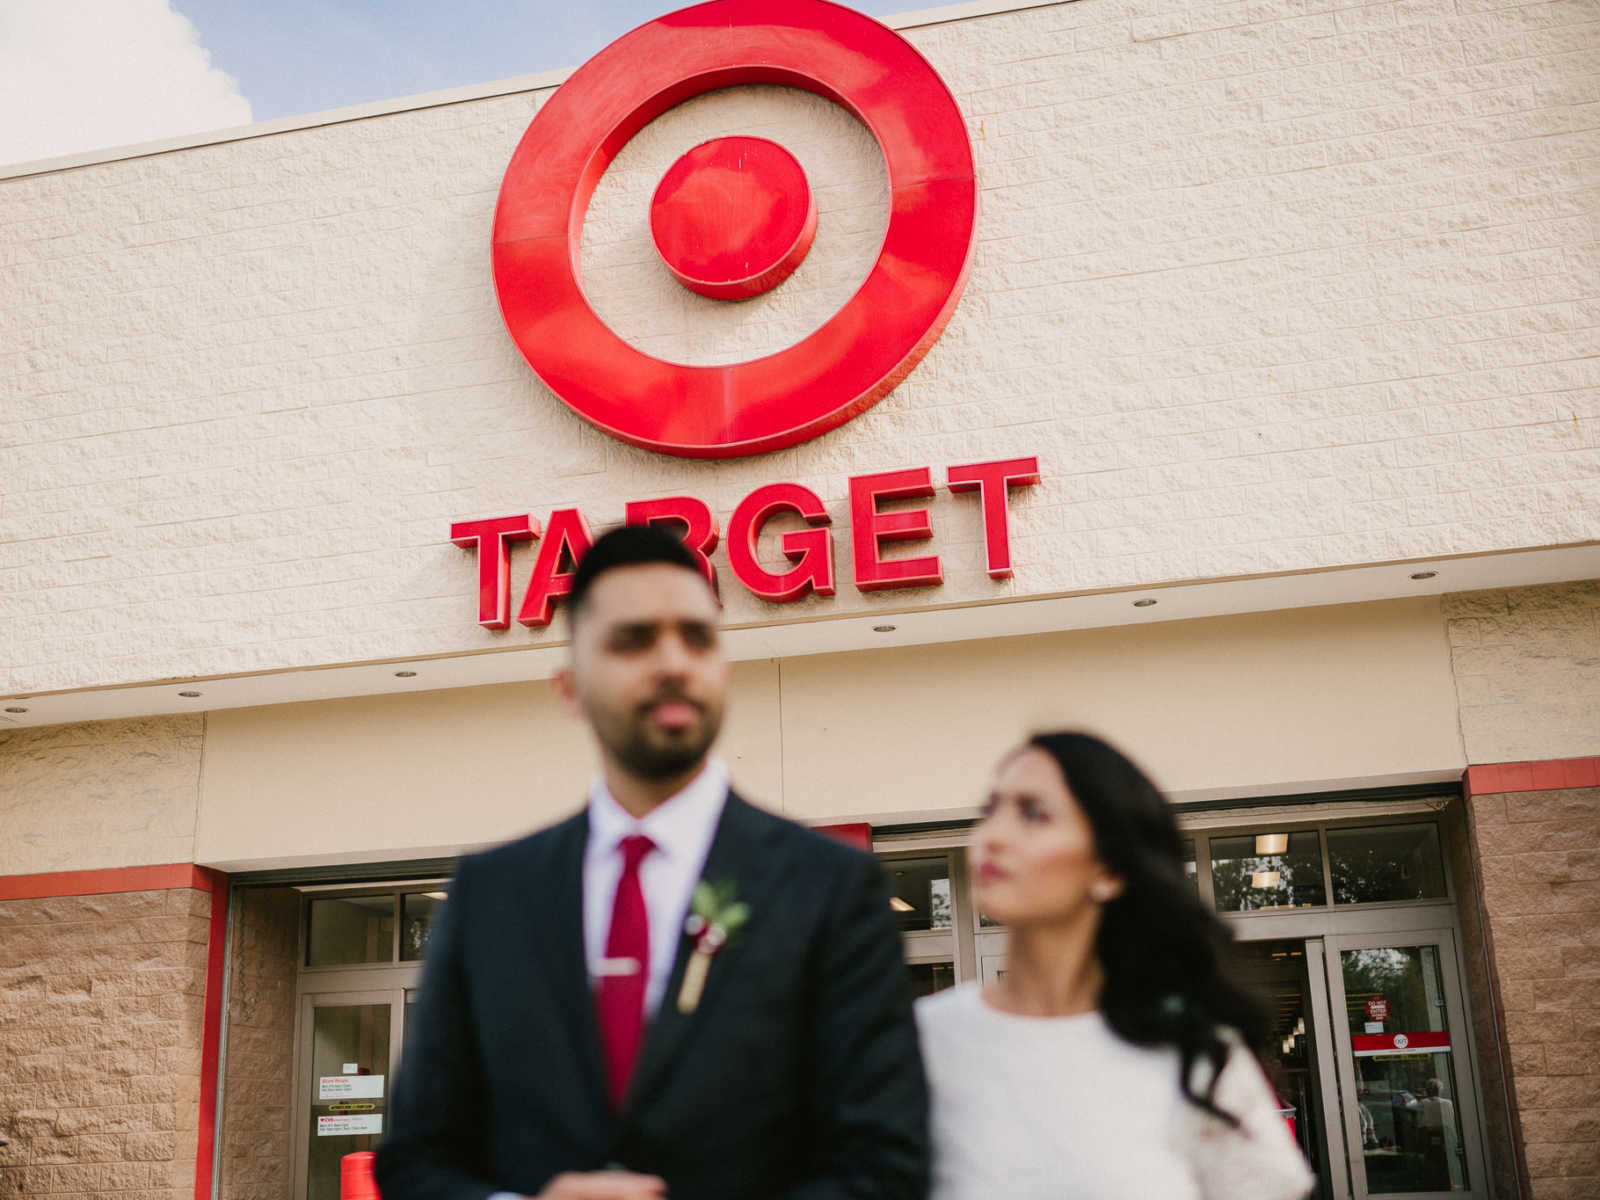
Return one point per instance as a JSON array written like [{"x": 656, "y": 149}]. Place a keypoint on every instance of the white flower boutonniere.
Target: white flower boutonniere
[{"x": 715, "y": 918}]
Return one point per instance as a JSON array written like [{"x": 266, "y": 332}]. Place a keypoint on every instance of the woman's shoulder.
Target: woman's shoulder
[
  {"x": 951, "y": 1007},
  {"x": 1257, "y": 1145}
]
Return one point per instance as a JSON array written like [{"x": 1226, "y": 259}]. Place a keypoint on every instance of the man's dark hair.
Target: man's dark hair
[{"x": 626, "y": 546}]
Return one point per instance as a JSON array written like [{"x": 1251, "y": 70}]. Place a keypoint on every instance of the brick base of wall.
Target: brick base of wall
[
  {"x": 102, "y": 1016},
  {"x": 1538, "y": 862}
]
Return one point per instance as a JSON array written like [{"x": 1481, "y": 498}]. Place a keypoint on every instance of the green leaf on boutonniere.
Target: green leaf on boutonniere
[{"x": 715, "y": 917}]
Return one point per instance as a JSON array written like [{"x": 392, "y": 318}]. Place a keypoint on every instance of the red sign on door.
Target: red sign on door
[
  {"x": 1424, "y": 1042},
  {"x": 1377, "y": 1009}
]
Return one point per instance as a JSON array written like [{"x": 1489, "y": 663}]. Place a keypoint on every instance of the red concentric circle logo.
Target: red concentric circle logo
[
  {"x": 733, "y": 217},
  {"x": 768, "y": 217}
]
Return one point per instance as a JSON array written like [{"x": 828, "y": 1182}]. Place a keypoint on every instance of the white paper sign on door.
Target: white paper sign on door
[
  {"x": 354, "y": 1123},
  {"x": 350, "y": 1087}
]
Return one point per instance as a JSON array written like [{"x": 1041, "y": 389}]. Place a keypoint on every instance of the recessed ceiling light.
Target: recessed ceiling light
[
  {"x": 16, "y": 710},
  {"x": 1425, "y": 575},
  {"x": 900, "y": 905},
  {"x": 1268, "y": 844},
  {"x": 405, "y": 674},
  {"x": 188, "y": 695},
  {"x": 883, "y": 629},
  {"x": 1145, "y": 603}
]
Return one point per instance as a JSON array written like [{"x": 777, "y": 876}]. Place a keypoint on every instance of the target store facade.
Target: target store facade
[{"x": 1221, "y": 379}]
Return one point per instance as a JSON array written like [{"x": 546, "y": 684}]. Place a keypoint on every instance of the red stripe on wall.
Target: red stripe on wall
[
  {"x": 115, "y": 879},
  {"x": 1551, "y": 775},
  {"x": 859, "y": 836},
  {"x": 211, "y": 1038}
]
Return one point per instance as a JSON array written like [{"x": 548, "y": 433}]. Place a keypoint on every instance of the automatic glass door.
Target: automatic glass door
[{"x": 1406, "y": 1076}]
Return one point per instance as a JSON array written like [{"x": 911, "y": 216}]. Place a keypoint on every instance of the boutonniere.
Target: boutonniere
[{"x": 715, "y": 918}]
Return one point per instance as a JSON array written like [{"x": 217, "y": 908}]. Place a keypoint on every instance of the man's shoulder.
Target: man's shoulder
[
  {"x": 529, "y": 852},
  {"x": 817, "y": 847}
]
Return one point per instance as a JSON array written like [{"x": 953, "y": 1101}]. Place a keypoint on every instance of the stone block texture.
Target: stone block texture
[
  {"x": 101, "y": 1016},
  {"x": 1268, "y": 286},
  {"x": 1538, "y": 863},
  {"x": 99, "y": 794},
  {"x": 1483, "y": 1000},
  {"x": 1527, "y": 669},
  {"x": 258, "y": 1078}
]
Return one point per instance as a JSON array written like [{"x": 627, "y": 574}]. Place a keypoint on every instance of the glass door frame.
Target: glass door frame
[
  {"x": 1335, "y": 1133},
  {"x": 394, "y": 995},
  {"x": 1365, "y": 927},
  {"x": 1444, "y": 940}
]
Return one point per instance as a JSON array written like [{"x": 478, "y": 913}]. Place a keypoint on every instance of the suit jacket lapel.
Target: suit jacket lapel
[
  {"x": 736, "y": 853},
  {"x": 565, "y": 965}
]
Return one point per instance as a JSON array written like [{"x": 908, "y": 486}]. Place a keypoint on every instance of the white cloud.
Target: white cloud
[{"x": 80, "y": 75}]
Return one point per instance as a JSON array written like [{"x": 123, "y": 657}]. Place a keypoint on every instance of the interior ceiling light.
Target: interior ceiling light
[
  {"x": 1266, "y": 879},
  {"x": 437, "y": 895},
  {"x": 900, "y": 905},
  {"x": 1272, "y": 843}
]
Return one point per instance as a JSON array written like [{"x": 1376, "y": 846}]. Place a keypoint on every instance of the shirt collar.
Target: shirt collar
[{"x": 680, "y": 826}]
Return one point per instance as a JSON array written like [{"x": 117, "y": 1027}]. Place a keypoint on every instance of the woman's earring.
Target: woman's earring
[{"x": 1102, "y": 893}]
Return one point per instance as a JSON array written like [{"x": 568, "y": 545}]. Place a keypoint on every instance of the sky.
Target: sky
[{"x": 80, "y": 75}]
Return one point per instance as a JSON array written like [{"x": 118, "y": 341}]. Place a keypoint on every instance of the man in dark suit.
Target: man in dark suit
[{"x": 672, "y": 992}]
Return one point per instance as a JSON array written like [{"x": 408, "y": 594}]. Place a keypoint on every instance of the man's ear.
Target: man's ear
[{"x": 566, "y": 690}]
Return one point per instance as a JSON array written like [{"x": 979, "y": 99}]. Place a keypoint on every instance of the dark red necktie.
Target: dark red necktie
[{"x": 619, "y": 1000}]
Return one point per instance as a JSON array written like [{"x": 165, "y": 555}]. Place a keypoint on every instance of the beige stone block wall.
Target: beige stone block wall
[
  {"x": 258, "y": 1082},
  {"x": 1267, "y": 286},
  {"x": 1527, "y": 668},
  {"x": 99, "y": 794},
  {"x": 1538, "y": 859},
  {"x": 101, "y": 1022}
]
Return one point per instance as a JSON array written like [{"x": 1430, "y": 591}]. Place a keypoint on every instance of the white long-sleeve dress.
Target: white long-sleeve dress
[{"x": 1061, "y": 1108}]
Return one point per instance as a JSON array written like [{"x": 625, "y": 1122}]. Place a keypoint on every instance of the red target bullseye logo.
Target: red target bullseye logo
[{"x": 733, "y": 218}]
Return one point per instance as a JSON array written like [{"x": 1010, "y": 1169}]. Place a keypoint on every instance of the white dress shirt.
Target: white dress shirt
[{"x": 681, "y": 828}]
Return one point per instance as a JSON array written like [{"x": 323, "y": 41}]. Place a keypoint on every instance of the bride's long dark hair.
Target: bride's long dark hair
[{"x": 1161, "y": 948}]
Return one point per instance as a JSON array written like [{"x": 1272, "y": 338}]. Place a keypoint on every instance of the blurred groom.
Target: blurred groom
[{"x": 672, "y": 992}]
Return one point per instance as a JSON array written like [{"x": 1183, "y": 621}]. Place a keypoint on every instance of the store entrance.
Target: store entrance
[
  {"x": 1279, "y": 972},
  {"x": 1367, "y": 1055}
]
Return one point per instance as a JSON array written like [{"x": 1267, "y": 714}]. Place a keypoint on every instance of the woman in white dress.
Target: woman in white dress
[{"x": 1108, "y": 1061}]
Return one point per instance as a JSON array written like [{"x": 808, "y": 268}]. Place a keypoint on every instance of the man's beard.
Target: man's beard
[{"x": 653, "y": 753}]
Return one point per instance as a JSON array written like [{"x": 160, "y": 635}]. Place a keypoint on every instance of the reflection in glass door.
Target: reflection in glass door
[{"x": 1410, "y": 1107}]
